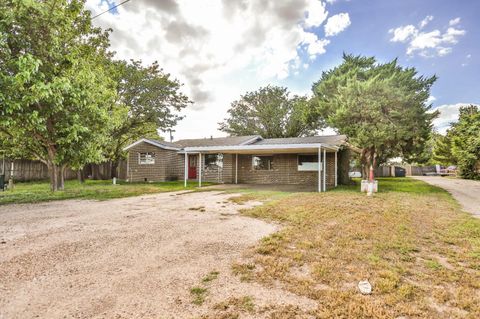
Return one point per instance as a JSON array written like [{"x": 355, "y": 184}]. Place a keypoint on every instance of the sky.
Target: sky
[{"x": 221, "y": 49}]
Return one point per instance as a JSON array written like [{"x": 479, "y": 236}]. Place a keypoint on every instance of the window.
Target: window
[
  {"x": 262, "y": 163},
  {"x": 308, "y": 162},
  {"x": 213, "y": 161},
  {"x": 146, "y": 158}
]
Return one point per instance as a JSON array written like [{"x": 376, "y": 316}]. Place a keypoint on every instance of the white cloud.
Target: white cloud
[
  {"x": 427, "y": 44},
  {"x": 402, "y": 34},
  {"x": 218, "y": 48},
  {"x": 454, "y": 21},
  {"x": 336, "y": 24},
  {"x": 425, "y": 21},
  {"x": 316, "y": 14},
  {"x": 431, "y": 99},
  {"x": 448, "y": 115}
]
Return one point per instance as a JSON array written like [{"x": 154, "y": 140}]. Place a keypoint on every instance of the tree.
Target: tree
[
  {"x": 442, "y": 150},
  {"x": 465, "y": 141},
  {"x": 382, "y": 108},
  {"x": 270, "y": 112},
  {"x": 147, "y": 100},
  {"x": 55, "y": 94}
]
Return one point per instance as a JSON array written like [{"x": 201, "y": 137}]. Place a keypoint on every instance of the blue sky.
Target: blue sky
[
  {"x": 368, "y": 35},
  {"x": 222, "y": 48}
]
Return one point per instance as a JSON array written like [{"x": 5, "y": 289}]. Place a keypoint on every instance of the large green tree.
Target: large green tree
[
  {"x": 55, "y": 95},
  {"x": 465, "y": 141},
  {"x": 270, "y": 112},
  {"x": 442, "y": 150},
  {"x": 381, "y": 107},
  {"x": 147, "y": 100}
]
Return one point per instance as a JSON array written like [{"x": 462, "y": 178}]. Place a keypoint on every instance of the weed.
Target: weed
[
  {"x": 199, "y": 294},
  {"x": 210, "y": 276}
]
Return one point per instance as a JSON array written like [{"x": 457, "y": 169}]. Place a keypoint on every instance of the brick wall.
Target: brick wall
[
  {"x": 285, "y": 171},
  {"x": 160, "y": 171},
  {"x": 169, "y": 165}
]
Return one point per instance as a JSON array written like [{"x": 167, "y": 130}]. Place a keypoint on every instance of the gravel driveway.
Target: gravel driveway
[
  {"x": 135, "y": 257},
  {"x": 467, "y": 192}
]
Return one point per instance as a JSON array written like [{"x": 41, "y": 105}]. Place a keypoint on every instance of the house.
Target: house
[{"x": 239, "y": 159}]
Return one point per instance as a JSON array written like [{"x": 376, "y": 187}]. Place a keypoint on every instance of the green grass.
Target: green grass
[
  {"x": 419, "y": 251},
  {"x": 32, "y": 192},
  {"x": 199, "y": 294},
  {"x": 210, "y": 276},
  {"x": 395, "y": 184}
]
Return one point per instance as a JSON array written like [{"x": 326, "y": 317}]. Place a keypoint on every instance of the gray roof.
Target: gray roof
[
  {"x": 333, "y": 140},
  {"x": 327, "y": 139},
  {"x": 165, "y": 143},
  {"x": 217, "y": 141}
]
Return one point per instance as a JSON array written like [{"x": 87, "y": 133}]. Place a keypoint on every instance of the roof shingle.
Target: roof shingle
[
  {"x": 217, "y": 141},
  {"x": 327, "y": 139}
]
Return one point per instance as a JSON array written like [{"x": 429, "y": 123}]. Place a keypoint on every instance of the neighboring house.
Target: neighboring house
[{"x": 239, "y": 159}]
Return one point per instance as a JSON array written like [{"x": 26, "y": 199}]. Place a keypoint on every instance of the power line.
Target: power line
[{"x": 110, "y": 9}]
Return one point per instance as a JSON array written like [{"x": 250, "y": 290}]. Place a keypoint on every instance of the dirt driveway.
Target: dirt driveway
[
  {"x": 127, "y": 258},
  {"x": 467, "y": 192}
]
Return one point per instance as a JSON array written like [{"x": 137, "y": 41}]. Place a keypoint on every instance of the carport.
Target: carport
[{"x": 319, "y": 149}]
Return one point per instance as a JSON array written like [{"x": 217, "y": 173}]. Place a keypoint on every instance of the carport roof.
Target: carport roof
[{"x": 327, "y": 139}]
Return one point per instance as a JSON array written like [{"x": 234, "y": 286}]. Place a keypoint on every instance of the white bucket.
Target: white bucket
[{"x": 364, "y": 186}]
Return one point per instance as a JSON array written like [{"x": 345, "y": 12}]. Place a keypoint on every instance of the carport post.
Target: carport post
[
  {"x": 336, "y": 173},
  {"x": 236, "y": 168},
  {"x": 200, "y": 169},
  {"x": 185, "y": 172},
  {"x": 319, "y": 170},
  {"x": 324, "y": 170}
]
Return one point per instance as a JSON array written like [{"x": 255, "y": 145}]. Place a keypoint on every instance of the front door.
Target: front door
[{"x": 192, "y": 166}]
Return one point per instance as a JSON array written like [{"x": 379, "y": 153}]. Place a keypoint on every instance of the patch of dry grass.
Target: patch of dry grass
[{"x": 419, "y": 251}]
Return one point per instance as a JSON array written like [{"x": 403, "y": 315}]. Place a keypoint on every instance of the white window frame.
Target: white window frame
[
  {"x": 314, "y": 167},
  {"x": 149, "y": 158},
  {"x": 219, "y": 161},
  {"x": 270, "y": 168}
]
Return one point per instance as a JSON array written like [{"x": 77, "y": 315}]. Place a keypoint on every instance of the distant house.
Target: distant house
[{"x": 239, "y": 159}]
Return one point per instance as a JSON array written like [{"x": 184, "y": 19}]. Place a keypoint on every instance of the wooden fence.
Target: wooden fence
[
  {"x": 410, "y": 170},
  {"x": 28, "y": 170}
]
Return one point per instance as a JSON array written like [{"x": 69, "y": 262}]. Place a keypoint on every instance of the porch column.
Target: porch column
[
  {"x": 336, "y": 170},
  {"x": 200, "y": 169},
  {"x": 319, "y": 169},
  {"x": 185, "y": 173},
  {"x": 324, "y": 170},
  {"x": 236, "y": 168}
]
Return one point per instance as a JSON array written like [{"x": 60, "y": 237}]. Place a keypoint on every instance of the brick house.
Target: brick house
[{"x": 240, "y": 159}]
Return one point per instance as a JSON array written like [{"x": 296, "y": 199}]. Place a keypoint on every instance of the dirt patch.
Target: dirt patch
[{"x": 129, "y": 258}]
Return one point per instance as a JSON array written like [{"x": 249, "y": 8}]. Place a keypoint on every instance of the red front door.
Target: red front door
[{"x": 192, "y": 166}]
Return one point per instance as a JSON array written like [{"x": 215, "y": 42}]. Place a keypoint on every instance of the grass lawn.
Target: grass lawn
[
  {"x": 40, "y": 191},
  {"x": 413, "y": 243}
]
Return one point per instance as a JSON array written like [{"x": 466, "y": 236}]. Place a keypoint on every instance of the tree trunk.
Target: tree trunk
[
  {"x": 373, "y": 162},
  {"x": 364, "y": 163},
  {"x": 114, "y": 169},
  {"x": 344, "y": 157},
  {"x": 53, "y": 172},
  {"x": 52, "y": 168},
  {"x": 81, "y": 176},
  {"x": 61, "y": 177}
]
